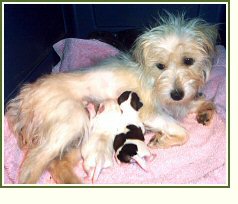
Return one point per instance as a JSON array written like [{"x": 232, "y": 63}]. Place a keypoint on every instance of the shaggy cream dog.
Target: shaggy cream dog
[{"x": 169, "y": 65}]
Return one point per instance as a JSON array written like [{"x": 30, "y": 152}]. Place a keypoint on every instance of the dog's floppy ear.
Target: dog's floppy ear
[
  {"x": 206, "y": 34},
  {"x": 138, "y": 50}
]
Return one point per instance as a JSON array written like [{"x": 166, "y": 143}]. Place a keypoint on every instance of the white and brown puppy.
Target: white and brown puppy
[
  {"x": 129, "y": 146},
  {"x": 130, "y": 104},
  {"x": 170, "y": 63}
]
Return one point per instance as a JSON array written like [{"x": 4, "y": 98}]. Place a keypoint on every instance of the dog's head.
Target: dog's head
[{"x": 177, "y": 57}]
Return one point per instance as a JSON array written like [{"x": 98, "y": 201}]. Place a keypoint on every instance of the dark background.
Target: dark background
[{"x": 31, "y": 30}]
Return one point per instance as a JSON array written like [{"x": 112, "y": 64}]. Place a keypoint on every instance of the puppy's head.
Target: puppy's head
[
  {"x": 129, "y": 98},
  {"x": 130, "y": 147},
  {"x": 134, "y": 151},
  {"x": 177, "y": 57},
  {"x": 127, "y": 152}
]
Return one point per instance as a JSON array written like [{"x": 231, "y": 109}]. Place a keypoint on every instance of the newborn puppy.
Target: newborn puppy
[
  {"x": 104, "y": 125},
  {"x": 129, "y": 146}
]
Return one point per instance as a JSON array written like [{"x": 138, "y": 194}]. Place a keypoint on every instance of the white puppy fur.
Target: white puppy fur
[
  {"x": 97, "y": 150},
  {"x": 169, "y": 65}
]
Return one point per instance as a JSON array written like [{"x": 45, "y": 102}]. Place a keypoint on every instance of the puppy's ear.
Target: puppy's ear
[
  {"x": 119, "y": 141},
  {"x": 135, "y": 101},
  {"x": 123, "y": 97}
]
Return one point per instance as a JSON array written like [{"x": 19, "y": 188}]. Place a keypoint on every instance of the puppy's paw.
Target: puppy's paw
[
  {"x": 95, "y": 162},
  {"x": 206, "y": 112},
  {"x": 94, "y": 166}
]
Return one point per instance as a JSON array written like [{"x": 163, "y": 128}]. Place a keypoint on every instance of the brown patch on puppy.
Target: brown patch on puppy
[
  {"x": 135, "y": 101},
  {"x": 123, "y": 97},
  {"x": 119, "y": 141},
  {"x": 133, "y": 133},
  {"x": 127, "y": 152}
]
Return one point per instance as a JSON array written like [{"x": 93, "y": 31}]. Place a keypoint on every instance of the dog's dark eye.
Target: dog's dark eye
[
  {"x": 160, "y": 66},
  {"x": 188, "y": 61}
]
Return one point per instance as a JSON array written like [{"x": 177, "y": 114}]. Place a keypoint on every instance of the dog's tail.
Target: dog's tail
[
  {"x": 20, "y": 118},
  {"x": 61, "y": 135},
  {"x": 45, "y": 123}
]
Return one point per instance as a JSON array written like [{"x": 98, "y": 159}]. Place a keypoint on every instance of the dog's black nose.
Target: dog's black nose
[{"x": 177, "y": 94}]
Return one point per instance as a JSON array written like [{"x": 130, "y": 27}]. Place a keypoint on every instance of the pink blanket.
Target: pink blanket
[{"x": 202, "y": 160}]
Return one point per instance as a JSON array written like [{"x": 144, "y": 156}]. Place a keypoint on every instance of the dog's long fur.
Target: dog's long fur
[{"x": 48, "y": 116}]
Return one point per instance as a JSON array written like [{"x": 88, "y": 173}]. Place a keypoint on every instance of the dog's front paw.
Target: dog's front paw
[
  {"x": 164, "y": 140},
  {"x": 155, "y": 141},
  {"x": 206, "y": 112},
  {"x": 160, "y": 140}
]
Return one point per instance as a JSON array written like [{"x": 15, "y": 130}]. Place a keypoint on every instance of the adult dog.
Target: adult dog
[{"x": 169, "y": 65}]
